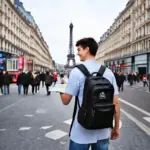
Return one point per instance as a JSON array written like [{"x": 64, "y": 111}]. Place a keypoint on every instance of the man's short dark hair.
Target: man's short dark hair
[{"x": 88, "y": 42}]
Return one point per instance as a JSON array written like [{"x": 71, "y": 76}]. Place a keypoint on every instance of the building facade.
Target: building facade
[
  {"x": 126, "y": 44},
  {"x": 22, "y": 45}
]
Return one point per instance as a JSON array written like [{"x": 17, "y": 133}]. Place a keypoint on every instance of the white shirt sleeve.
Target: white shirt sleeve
[
  {"x": 115, "y": 86},
  {"x": 73, "y": 83}
]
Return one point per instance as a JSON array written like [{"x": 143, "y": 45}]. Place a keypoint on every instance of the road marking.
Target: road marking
[
  {"x": 45, "y": 127},
  {"x": 24, "y": 128},
  {"x": 28, "y": 115},
  {"x": 62, "y": 143},
  {"x": 68, "y": 121},
  {"x": 56, "y": 134},
  {"x": 135, "y": 107},
  {"x": 11, "y": 105},
  {"x": 40, "y": 111},
  {"x": 147, "y": 119},
  {"x": 1, "y": 130},
  {"x": 138, "y": 123},
  {"x": 147, "y": 91}
]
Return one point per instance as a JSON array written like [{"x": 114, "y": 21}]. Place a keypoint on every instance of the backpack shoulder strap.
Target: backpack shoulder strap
[
  {"x": 102, "y": 70},
  {"x": 83, "y": 69},
  {"x": 74, "y": 114}
]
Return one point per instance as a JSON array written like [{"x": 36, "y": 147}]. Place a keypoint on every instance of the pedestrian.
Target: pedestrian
[
  {"x": 145, "y": 81},
  {"x": 26, "y": 82},
  {"x": 37, "y": 79},
  {"x": 33, "y": 83},
  {"x": 48, "y": 82},
  {"x": 1, "y": 81},
  {"x": 62, "y": 79},
  {"x": 54, "y": 78},
  {"x": 80, "y": 137},
  {"x": 130, "y": 78},
  {"x": 121, "y": 81},
  {"x": 117, "y": 78},
  {"x": 7, "y": 82},
  {"x": 42, "y": 78},
  {"x": 19, "y": 82}
]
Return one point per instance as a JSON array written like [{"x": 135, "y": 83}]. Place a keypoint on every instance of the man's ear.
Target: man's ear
[{"x": 87, "y": 49}]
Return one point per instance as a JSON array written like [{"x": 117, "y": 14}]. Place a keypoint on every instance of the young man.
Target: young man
[{"x": 81, "y": 138}]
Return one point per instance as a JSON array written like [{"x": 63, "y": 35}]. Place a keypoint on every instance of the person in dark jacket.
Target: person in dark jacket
[
  {"x": 130, "y": 78},
  {"x": 20, "y": 82},
  {"x": 48, "y": 81},
  {"x": 7, "y": 81},
  {"x": 1, "y": 81},
  {"x": 33, "y": 83},
  {"x": 117, "y": 78},
  {"x": 42, "y": 78},
  {"x": 26, "y": 81},
  {"x": 37, "y": 79},
  {"x": 121, "y": 81}
]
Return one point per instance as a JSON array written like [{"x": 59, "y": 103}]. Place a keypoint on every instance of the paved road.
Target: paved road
[
  {"x": 40, "y": 122},
  {"x": 136, "y": 101}
]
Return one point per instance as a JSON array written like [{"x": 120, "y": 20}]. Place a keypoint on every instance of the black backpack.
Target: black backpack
[{"x": 97, "y": 109}]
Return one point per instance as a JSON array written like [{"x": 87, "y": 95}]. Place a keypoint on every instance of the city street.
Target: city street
[{"x": 41, "y": 122}]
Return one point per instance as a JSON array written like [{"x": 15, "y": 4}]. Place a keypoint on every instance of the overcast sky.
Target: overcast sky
[{"x": 91, "y": 18}]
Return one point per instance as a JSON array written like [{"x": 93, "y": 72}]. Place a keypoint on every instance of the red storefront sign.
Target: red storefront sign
[
  {"x": 30, "y": 65},
  {"x": 21, "y": 63},
  {"x": 30, "y": 62},
  {"x": 124, "y": 66}
]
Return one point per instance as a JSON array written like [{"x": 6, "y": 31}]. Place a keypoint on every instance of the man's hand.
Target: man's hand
[{"x": 115, "y": 133}]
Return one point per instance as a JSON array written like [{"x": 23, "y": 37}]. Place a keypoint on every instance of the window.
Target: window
[
  {"x": 5, "y": 8},
  {"x": 12, "y": 64},
  {"x": 148, "y": 2},
  {"x": 0, "y": 3},
  {"x": 148, "y": 15},
  {"x": 9, "y": 64}
]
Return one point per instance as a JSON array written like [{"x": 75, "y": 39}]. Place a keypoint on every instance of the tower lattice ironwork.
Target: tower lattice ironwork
[{"x": 71, "y": 55}]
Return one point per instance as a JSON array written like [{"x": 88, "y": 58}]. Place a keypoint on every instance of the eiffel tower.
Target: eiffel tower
[{"x": 70, "y": 57}]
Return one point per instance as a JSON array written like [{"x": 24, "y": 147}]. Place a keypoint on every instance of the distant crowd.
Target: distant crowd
[
  {"x": 26, "y": 79},
  {"x": 131, "y": 78}
]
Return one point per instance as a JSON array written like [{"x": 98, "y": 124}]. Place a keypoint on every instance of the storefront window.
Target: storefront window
[
  {"x": 141, "y": 64},
  {"x": 16, "y": 64},
  {"x": 12, "y": 64},
  {"x": 141, "y": 59},
  {"x": 9, "y": 64}
]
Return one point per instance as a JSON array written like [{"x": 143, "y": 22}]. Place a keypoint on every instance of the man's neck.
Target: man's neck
[{"x": 90, "y": 58}]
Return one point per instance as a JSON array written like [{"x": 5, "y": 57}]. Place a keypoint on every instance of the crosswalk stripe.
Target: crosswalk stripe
[
  {"x": 45, "y": 127},
  {"x": 68, "y": 121},
  {"x": 1, "y": 130},
  {"x": 147, "y": 119},
  {"x": 56, "y": 134},
  {"x": 28, "y": 115},
  {"x": 24, "y": 128}
]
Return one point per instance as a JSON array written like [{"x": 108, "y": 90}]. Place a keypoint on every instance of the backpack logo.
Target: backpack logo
[{"x": 102, "y": 95}]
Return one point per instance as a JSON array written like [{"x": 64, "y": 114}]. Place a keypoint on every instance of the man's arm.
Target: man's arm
[
  {"x": 117, "y": 111},
  {"x": 72, "y": 87},
  {"x": 66, "y": 98},
  {"x": 115, "y": 131}
]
